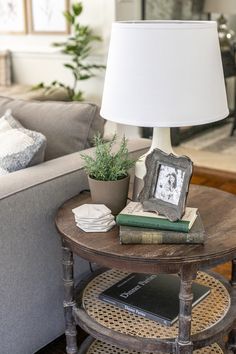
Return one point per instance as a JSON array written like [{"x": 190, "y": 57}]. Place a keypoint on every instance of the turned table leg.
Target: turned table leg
[
  {"x": 68, "y": 280},
  {"x": 232, "y": 335},
  {"x": 184, "y": 344}
]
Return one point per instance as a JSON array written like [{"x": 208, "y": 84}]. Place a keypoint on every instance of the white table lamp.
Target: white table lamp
[{"x": 163, "y": 74}]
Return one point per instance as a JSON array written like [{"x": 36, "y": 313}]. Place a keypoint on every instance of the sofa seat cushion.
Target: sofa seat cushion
[
  {"x": 19, "y": 147},
  {"x": 68, "y": 126}
]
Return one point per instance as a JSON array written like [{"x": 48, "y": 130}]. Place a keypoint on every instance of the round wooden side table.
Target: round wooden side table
[{"x": 199, "y": 330}]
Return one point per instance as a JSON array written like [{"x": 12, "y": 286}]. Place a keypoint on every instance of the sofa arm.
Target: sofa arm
[
  {"x": 30, "y": 259},
  {"x": 51, "y": 170}
]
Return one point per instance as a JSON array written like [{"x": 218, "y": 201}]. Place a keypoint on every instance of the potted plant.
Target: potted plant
[
  {"x": 108, "y": 173},
  {"x": 78, "y": 48}
]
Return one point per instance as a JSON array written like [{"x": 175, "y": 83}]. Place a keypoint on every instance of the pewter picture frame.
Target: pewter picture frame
[{"x": 166, "y": 184}]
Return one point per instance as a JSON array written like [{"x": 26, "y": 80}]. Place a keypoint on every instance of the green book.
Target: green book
[
  {"x": 140, "y": 235},
  {"x": 133, "y": 215}
]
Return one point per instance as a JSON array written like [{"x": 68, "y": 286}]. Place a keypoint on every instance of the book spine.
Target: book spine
[
  {"x": 128, "y": 236},
  {"x": 153, "y": 223},
  {"x": 135, "y": 311}
]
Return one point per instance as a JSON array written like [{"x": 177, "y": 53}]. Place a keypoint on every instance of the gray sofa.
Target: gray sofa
[{"x": 31, "y": 292}]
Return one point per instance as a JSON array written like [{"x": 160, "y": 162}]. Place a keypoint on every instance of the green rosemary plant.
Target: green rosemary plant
[{"x": 106, "y": 165}]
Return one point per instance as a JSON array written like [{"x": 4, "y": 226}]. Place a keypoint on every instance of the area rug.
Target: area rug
[
  {"x": 217, "y": 140},
  {"x": 212, "y": 149}
]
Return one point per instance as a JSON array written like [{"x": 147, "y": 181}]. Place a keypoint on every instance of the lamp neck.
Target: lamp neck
[{"x": 161, "y": 140}]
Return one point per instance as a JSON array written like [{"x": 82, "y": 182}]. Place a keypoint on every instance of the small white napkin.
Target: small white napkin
[
  {"x": 96, "y": 229},
  {"x": 93, "y": 226},
  {"x": 94, "y": 218},
  {"x": 102, "y": 221},
  {"x": 91, "y": 211}
]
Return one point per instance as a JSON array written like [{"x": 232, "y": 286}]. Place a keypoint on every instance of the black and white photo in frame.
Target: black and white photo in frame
[
  {"x": 169, "y": 184},
  {"x": 166, "y": 184}
]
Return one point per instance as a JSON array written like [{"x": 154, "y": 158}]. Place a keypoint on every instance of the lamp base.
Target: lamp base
[
  {"x": 161, "y": 140},
  {"x": 138, "y": 186}
]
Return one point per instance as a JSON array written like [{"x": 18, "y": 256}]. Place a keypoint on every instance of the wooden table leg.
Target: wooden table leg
[
  {"x": 232, "y": 335},
  {"x": 184, "y": 344},
  {"x": 68, "y": 280}
]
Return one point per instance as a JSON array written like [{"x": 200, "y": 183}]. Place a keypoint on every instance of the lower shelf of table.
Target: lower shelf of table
[
  {"x": 91, "y": 346},
  {"x": 210, "y": 318}
]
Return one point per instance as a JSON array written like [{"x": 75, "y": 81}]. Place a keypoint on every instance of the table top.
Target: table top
[{"x": 218, "y": 213}]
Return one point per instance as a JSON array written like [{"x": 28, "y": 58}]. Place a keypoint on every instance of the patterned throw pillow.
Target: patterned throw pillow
[{"x": 19, "y": 147}]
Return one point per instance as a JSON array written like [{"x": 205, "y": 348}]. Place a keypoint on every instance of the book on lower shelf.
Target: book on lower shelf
[
  {"x": 155, "y": 297},
  {"x": 139, "y": 235},
  {"x": 133, "y": 215}
]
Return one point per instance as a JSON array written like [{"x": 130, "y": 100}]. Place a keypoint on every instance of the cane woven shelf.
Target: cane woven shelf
[
  {"x": 206, "y": 314},
  {"x": 98, "y": 347}
]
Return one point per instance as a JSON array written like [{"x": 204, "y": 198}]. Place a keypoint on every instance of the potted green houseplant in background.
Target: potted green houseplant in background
[
  {"x": 108, "y": 173},
  {"x": 78, "y": 48}
]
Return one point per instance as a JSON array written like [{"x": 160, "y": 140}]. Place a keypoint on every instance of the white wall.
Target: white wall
[
  {"x": 35, "y": 60},
  {"x": 128, "y": 10},
  {"x": 232, "y": 22}
]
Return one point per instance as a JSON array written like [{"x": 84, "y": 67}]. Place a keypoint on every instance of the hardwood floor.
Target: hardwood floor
[{"x": 202, "y": 176}]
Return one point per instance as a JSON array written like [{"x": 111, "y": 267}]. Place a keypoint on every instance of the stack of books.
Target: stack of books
[{"x": 138, "y": 226}]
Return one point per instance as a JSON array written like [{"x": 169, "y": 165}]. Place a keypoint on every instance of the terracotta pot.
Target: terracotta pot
[{"x": 111, "y": 193}]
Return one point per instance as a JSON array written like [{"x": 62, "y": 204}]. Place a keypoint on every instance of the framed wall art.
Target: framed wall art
[
  {"x": 46, "y": 16},
  {"x": 166, "y": 184},
  {"x": 13, "y": 17}
]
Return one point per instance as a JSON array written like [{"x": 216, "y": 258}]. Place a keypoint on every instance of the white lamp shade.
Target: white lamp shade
[
  {"x": 164, "y": 74},
  {"x": 220, "y": 6}
]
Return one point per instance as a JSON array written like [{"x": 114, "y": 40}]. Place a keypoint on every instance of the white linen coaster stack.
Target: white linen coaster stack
[{"x": 94, "y": 218}]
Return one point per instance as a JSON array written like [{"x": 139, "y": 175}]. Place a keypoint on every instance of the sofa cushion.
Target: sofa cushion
[
  {"x": 68, "y": 126},
  {"x": 19, "y": 147}
]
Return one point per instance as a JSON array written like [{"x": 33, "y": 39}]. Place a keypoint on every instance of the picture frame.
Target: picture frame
[
  {"x": 46, "y": 17},
  {"x": 13, "y": 18},
  {"x": 166, "y": 184}
]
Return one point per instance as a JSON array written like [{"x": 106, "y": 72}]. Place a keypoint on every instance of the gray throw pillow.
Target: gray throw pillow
[
  {"x": 19, "y": 147},
  {"x": 67, "y": 126}
]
